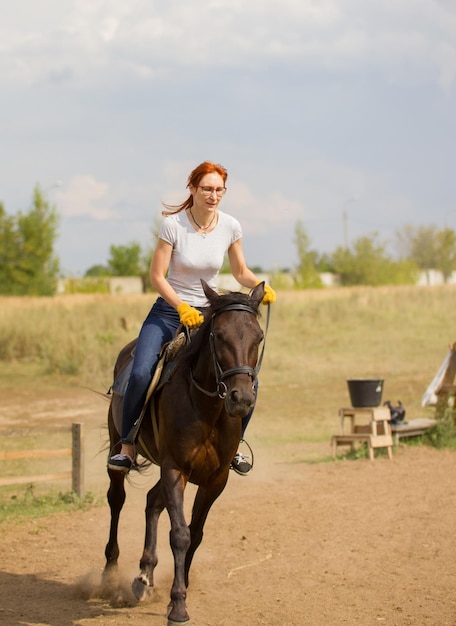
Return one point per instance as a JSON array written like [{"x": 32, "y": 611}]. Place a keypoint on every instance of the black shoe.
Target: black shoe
[
  {"x": 240, "y": 464},
  {"x": 121, "y": 463}
]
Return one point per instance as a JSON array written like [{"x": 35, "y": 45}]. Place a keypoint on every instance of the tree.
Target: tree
[
  {"x": 9, "y": 246},
  {"x": 446, "y": 252},
  {"x": 125, "y": 260},
  {"x": 368, "y": 263},
  {"x": 97, "y": 270},
  {"x": 28, "y": 265},
  {"x": 429, "y": 247},
  {"x": 418, "y": 243},
  {"x": 307, "y": 275},
  {"x": 324, "y": 263}
]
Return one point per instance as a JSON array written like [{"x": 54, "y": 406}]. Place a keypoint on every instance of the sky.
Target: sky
[{"x": 339, "y": 115}]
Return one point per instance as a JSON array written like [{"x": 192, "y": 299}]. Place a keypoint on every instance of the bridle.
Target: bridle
[{"x": 220, "y": 375}]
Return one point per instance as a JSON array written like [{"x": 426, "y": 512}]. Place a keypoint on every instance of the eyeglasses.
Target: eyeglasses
[{"x": 208, "y": 191}]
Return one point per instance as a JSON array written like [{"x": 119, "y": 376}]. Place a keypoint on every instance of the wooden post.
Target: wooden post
[{"x": 78, "y": 459}]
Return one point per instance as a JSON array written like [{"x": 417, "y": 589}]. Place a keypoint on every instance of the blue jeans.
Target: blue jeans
[{"x": 159, "y": 327}]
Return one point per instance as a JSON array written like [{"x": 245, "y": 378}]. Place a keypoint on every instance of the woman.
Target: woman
[{"x": 192, "y": 244}]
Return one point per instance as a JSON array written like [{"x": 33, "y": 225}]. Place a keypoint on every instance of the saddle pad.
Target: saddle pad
[{"x": 121, "y": 381}]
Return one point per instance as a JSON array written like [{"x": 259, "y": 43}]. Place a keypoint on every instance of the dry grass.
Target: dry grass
[
  {"x": 69, "y": 335},
  {"x": 316, "y": 340}
]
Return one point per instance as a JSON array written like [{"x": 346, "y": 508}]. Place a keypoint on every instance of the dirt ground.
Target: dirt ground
[{"x": 295, "y": 543}]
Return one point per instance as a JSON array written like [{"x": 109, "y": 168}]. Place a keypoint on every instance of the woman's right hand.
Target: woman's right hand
[{"x": 189, "y": 316}]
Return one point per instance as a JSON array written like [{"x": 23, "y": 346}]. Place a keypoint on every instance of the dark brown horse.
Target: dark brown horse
[{"x": 199, "y": 412}]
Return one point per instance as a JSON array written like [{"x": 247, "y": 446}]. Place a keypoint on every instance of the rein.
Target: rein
[{"x": 220, "y": 375}]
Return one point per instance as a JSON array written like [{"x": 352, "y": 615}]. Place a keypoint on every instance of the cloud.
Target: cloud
[
  {"x": 87, "y": 197},
  {"x": 144, "y": 39},
  {"x": 445, "y": 58},
  {"x": 259, "y": 212},
  {"x": 308, "y": 103}
]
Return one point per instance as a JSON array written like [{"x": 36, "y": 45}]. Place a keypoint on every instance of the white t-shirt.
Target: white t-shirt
[{"x": 197, "y": 256}]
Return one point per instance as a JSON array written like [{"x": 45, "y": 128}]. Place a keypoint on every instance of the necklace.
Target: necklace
[{"x": 204, "y": 228}]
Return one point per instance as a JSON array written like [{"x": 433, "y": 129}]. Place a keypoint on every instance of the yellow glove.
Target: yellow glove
[
  {"x": 189, "y": 316},
  {"x": 269, "y": 294}
]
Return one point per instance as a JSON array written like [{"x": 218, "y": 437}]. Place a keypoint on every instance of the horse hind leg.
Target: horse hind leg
[{"x": 144, "y": 582}]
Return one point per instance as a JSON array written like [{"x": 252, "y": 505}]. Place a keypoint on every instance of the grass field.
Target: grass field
[{"x": 316, "y": 341}]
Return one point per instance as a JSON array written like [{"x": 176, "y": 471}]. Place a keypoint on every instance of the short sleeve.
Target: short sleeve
[{"x": 168, "y": 231}]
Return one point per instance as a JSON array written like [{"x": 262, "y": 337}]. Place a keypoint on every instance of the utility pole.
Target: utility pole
[{"x": 345, "y": 219}]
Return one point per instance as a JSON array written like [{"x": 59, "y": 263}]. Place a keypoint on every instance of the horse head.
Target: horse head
[{"x": 234, "y": 336}]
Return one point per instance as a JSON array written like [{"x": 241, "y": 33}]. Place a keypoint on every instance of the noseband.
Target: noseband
[{"x": 220, "y": 375}]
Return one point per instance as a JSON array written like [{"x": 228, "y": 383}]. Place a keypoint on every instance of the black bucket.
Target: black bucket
[{"x": 365, "y": 392}]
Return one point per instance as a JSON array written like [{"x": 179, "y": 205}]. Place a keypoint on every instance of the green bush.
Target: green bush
[{"x": 443, "y": 435}]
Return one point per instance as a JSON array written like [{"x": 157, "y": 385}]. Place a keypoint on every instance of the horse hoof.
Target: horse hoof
[
  {"x": 141, "y": 588},
  {"x": 174, "y": 622},
  {"x": 177, "y": 614}
]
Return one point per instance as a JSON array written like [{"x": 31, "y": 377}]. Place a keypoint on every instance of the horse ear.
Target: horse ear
[
  {"x": 257, "y": 293},
  {"x": 211, "y": 295}
]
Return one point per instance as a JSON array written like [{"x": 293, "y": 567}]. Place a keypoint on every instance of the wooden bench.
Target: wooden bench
[
  {"x": 376, "y": 432},
  {"x": 412, "y": 428}
]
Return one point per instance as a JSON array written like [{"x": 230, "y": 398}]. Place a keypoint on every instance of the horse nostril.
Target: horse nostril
[{"x": 237, "y": 397}]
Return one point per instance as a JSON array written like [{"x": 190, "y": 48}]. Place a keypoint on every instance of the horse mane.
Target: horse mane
[{"x": 187, "y": 355}]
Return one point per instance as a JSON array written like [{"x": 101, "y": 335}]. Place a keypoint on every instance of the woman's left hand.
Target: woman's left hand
[{"x": 269, "y": 295}]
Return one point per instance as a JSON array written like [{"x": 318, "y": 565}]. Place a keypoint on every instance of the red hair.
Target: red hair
[{"x": 207, "y": 167}]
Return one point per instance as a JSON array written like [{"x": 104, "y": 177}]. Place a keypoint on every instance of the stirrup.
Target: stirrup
[
  {"x": 121, "y": 463},
  {"x": 242, "y": 462}
]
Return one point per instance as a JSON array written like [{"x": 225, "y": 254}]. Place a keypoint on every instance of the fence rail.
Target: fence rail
[{"x": 76, "y": 474}]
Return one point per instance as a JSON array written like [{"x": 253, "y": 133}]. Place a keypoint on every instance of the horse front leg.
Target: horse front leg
[
  {"x": 145, "y": 580},
  {"x": 116, "y": 499},
  {"x": 173, "y": 486},
  {"x": 204, "y": 499}
]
